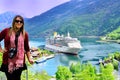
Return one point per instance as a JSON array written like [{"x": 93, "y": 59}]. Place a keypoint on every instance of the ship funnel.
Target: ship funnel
[
  {"x": 55, "y": 34},
  {"x": 68, "y": 34}
]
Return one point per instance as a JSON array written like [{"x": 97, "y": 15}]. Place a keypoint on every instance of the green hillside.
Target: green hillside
[
  {"x": 80, "y": 18},
  {"x": 114, "y": 35}
]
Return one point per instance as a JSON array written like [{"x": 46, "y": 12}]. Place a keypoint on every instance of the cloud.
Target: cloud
[{"x": 29, "y": 8}]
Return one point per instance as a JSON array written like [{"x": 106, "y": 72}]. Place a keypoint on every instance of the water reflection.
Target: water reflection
[
  {"x": 51, "y": 65},
  {"x": 92, "y": 51},
  {"x": 67, "y": 59}
]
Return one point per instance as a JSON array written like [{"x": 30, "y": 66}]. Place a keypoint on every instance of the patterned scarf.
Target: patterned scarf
[{"x": 17, "y": 61}]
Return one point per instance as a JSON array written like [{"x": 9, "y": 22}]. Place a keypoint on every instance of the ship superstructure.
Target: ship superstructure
[{"x": 63, "y": 44}]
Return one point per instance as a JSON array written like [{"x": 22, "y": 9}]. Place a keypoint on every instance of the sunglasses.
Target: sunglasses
[{"x": 17, "y": 21}]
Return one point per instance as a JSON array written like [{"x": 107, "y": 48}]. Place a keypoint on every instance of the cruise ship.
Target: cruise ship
[{"x": 63, "y": 44}]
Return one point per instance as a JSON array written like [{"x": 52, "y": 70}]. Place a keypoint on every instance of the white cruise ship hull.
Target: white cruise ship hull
[
  {"x": 62, "y": 49},
  {"x": 63, "y": 44}
]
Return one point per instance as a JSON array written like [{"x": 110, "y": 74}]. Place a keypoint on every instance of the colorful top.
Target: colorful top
[{"x": 4, "y": 35}]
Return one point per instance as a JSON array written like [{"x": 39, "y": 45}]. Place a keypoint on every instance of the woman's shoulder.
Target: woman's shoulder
[
  {"x": 26, "y": 33},
  {"x": 5, "y": 30}
]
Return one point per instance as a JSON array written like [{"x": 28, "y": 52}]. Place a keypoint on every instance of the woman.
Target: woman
[{"x": 13, "y": 67}]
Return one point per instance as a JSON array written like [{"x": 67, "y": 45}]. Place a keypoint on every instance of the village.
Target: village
[{"x": 41, "y": 55}]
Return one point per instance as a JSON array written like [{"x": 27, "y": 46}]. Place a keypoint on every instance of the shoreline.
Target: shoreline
[
  {"x": 114, "y": 41},
  {"x": 89, "y": 36}
]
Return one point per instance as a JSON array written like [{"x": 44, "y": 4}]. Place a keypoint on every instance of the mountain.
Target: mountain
[
  {"x": 6, "y": 19},
  {"x": 79, "y": 17}
]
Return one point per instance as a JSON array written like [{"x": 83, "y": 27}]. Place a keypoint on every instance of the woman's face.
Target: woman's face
[{"x": 18, "y": 23}]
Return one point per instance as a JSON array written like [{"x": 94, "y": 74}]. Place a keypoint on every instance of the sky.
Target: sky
[{"x": 29, "y": 8}]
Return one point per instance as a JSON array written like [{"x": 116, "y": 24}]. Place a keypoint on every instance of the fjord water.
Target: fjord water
[{"x": 92, "y": 51}]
